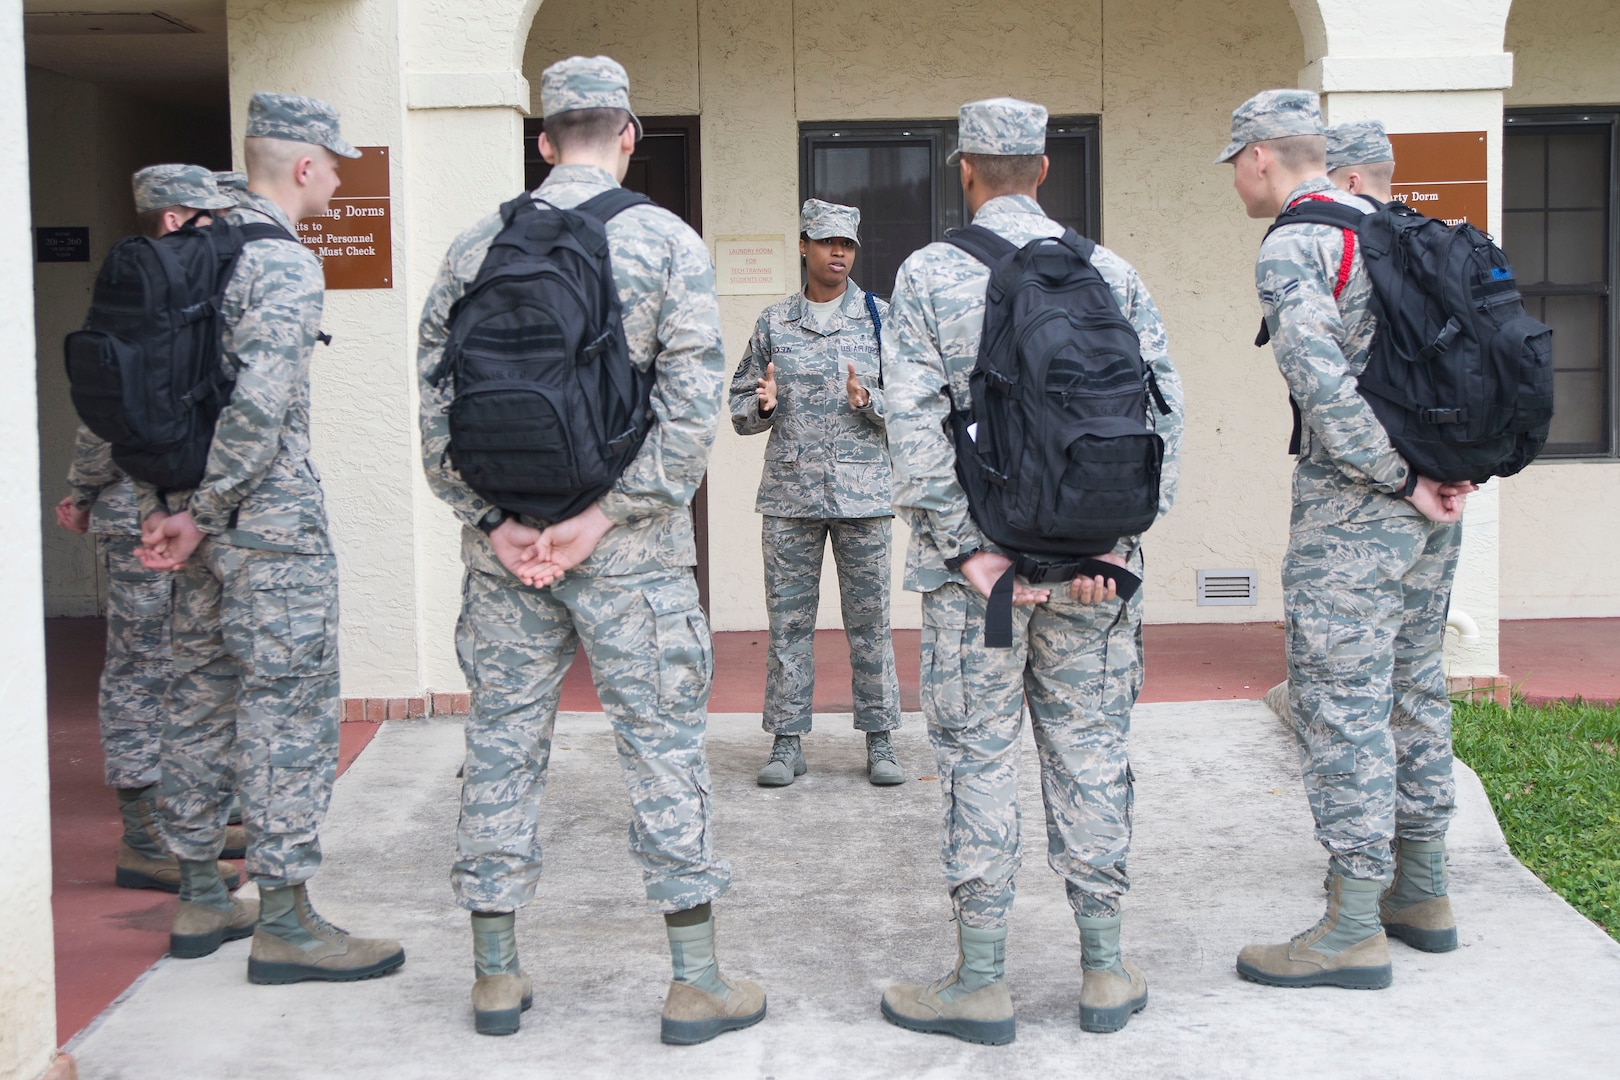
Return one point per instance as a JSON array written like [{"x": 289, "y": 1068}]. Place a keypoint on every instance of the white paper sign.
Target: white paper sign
[{"x": 751, "y": 264}]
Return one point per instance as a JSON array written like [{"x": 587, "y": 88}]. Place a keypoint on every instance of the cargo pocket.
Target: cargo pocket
[
  {"x": 943, "y": 631},
  {"x": 138, "y": 611},
  {"x": 685, "y": 654},
  {"x": 295, "y": 617}
]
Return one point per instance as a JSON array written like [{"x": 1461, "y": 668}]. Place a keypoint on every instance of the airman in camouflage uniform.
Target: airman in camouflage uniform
[
  {"x": 1075, "y": 660},
  {"x": 1366, "y": 583},
  {"x": 256, "y": 606},
  {"x": 826, "y": 476},
  {"x": 137, "y": 671},
  {"x": 625, "y": 592}
]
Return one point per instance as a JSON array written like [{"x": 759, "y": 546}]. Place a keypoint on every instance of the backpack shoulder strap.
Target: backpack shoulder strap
[
  {"x": 1083, "y": 245},
  {"x": 611, "y": 203},
  {"x": 877, "y": 332},
  {"x": 982, "y": 244},
  {"x": 1319, "y": 211},
  {"x": 257, "y": 230}
]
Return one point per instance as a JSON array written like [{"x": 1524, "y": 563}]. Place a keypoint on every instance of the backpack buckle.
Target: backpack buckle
[{"x": 1443, "y": 416}]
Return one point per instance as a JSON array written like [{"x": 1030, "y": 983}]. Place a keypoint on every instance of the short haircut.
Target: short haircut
[
  {"x": 1299, "y": 152},
  {"x": 268, "y": 157},
  {"x": 584, "y": 128},
  {"x": 1001, "y": 172},
  {"x": 150, "y": 222},
  {"x": 1379, "y": 174}
]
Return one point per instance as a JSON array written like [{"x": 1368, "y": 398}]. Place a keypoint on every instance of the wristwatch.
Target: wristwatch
[
  {"x": 491, "y": 520},
  {"x": 954, "y": 563}
]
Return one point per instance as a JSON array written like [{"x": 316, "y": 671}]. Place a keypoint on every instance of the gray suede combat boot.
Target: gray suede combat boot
[
  {"x": 1416, "y": 909},
  {"x": 882, "y": 768},
  {"x": 972, "y": 1002},
  {"x": 786, "y": 762},
  {"x": 292, "y": 944},
  {"x": 142, "y": 861},
  {"x": 1111, "y": 990},
  {"x": 701, "y": 1002},
  {"x": 501, "y": 993},
  {"x": 208, "y": 915},
  {"x": 1346, "y": 947}
]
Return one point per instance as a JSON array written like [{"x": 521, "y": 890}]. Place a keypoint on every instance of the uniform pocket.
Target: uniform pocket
[
  {"x": 138, "y": 611},
  {"x": 685, "y": 649},
  {"x": 295, "y": 617},
  {"x": 943, "y": 632}
]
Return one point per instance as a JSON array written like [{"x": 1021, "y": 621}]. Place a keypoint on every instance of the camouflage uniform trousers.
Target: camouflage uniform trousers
[
  {"x": 793, "y": 551},
  {"x": 1079, "y": 667},
  {"x": 1365, "y": 616},
  {"x": 255, "y": 694},
  {"x": 137, "y": 671},
  {"x": 653, "y": 662}
]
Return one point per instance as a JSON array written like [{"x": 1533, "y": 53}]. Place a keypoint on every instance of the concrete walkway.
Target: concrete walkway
[{"x": 837, "y": 893}]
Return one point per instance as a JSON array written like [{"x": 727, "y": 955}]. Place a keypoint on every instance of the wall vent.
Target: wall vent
[{"x": 1228, "y": 588}]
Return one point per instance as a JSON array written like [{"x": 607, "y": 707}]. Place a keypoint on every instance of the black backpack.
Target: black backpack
[
  {"x": 1459, "y": 376},
  {"x": 145, "y": 370},
  {"x": 1055, "y": 454},
  {"x": 548, "y": 408}
]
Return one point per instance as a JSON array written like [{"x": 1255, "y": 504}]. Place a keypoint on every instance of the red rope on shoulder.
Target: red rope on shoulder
[{"x": 1349, "y": 244}]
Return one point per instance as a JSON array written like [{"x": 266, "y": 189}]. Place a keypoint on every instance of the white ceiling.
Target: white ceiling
[{"x": 188, "y": 70}]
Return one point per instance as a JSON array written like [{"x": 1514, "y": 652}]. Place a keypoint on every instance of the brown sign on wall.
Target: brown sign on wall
[
  {"x": 1441, "y": 174},
  {"x": 354, "y": 238}
]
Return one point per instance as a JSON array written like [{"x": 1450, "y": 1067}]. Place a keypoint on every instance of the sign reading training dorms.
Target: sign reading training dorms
[
  {"x": 1441, "y": 174},
  {"x": 751, "y": 264},
  {"x": 354, "y": 238}
]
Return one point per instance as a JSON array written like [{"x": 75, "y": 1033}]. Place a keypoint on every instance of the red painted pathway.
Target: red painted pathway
[{"x": 106, "y": 936}]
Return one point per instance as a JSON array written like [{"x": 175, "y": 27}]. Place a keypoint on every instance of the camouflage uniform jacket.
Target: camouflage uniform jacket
[
  {"x": 824, "y": 459},
  {"x": 261, "y": 489},
  {"x": 671, "y": 320},
  {"x": 932, "y": 335},
  {"x": 101, "y": 487},
  {"x": 1347, "y": 469}
]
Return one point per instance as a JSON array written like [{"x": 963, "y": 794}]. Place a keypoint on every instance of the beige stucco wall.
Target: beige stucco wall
[
  {"x": 1560, "y": 520},
  {"x": 27, "y": 966},
  {"x": 1164, "y": 82}
]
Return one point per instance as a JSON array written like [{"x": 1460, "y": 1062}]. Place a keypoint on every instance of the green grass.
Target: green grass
[{"x": 1553, "y": 776}]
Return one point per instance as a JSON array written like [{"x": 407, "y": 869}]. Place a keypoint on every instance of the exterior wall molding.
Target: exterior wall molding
[
  {"x": 1405, "y": 74},
  {"x": 466, "y": 90}
]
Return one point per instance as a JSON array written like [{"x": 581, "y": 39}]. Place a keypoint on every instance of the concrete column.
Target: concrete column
[
  {"x": 27, "y": 963},
  {"x": 1445, "y": 71},
  {"x": 466, "y": 98},
  {"x": 348, "y": 53}
]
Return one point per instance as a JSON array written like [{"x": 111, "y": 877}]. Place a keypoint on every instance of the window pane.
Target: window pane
[
  {"x": 1063, "y": 196},
  {"x": 1580, "y": 417},
  {"x": 1575, "y": 246},
  {"x": 1524, "y": 170},
  {"x": 891, "y": 183},
  {"x": 1578, "y": 169},
  {"x": 1524, "y": 241},
  {"x": 1578, "y": 338}
]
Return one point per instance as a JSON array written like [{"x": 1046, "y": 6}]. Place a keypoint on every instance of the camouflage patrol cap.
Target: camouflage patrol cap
[
  {"x": 236, "y": 181},
  {"x": 192, "y": 186},
  {"x": 824, "y": 220},
  {"x": 1273, "y": 114},
  {"x": 1359, "y": 142},
  {"x": 298, "y": 119},
  {"x": 1003, "y": 127},
  {"x": 586, "y": 82}
]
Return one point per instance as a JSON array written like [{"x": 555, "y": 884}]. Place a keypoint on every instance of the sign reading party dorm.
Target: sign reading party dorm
[
  {"x": 1441, "y": 174},
  {"x": 355, "y": 238}
]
